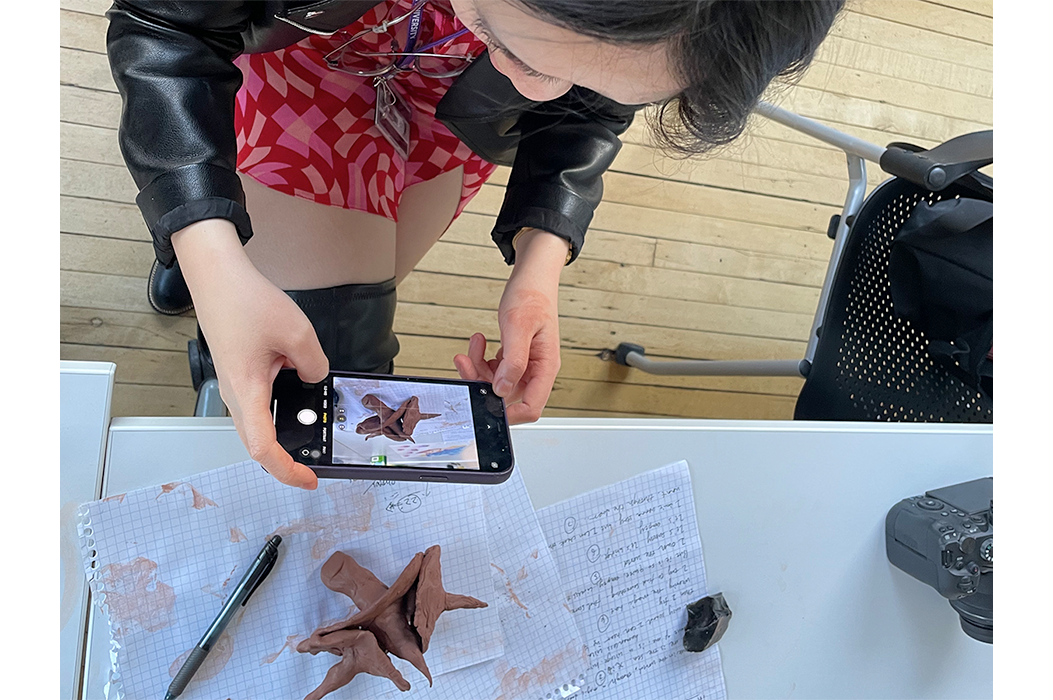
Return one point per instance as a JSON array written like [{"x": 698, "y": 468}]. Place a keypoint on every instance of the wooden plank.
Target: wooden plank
[
  {"x": 93, "y": 7},
  {"x": 100, "y": 218},
  {"x": 111, "y": 256},
  {"x": 732, "y": 263},
  {"x": 111, "y": 183},
  {"x": 146, "y": 400},
  {"x": 840, "y": 112},
  {"x": 460, "y": 323},
  {"x": 634, "y": 279},
  {"x": 123, "y": 329},
  {"x": 433, "y": 354},
  {"x": 662, "y": 401},
  {"x": 912, "y": 40},
  {"x": 726, "y": 173},
  {"x": 90, "y": 143},
  {"x": 85, "y": 69},
  {"x": 152, "y": 331},
  {"x": 939, "y": 19},
  {"x": 98, "y": 291},
  {"x": 940, "y": 72},
  {"x": 910, "y": 95},
  {"x": 86, "y": 32},
  {"x": 83, "y": 106},
  {"x": 977, "y": 7},
  {"x": 693, "y": 228},
  {"x": 135, "y": 365},
  {"x": 467, "y": 292}
]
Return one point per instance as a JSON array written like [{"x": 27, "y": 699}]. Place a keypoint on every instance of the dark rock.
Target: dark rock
[{"x": 707, "y": 620}]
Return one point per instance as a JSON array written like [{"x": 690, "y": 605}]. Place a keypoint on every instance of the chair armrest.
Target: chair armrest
[{"x": 938, "y": 167}]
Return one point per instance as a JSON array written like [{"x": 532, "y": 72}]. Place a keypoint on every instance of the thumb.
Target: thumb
[
  {"x": 305, "y": 354},
  {"x": 515, "y": 352}
]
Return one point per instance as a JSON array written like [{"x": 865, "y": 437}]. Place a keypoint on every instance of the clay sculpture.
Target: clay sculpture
[
  {"x": 399, "y": 619},
  {"x": 396, "y": 424},
  {"x": 359, "y": 653},
  {"x": 429, "y": 599}
]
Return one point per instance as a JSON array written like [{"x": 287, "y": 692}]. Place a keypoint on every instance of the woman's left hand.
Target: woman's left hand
[{"x": 527, "y": 363}]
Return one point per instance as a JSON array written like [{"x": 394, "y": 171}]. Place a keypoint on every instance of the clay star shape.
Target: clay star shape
[
  {"x": 359, "y": 653},
  {"x": 380, "y": 607},
  {"x": 396, "y": 424}
]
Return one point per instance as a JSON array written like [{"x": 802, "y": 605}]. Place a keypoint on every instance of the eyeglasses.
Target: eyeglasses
[{"x": 364, "y": 61}]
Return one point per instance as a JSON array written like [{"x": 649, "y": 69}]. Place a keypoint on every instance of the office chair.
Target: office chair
[{"x": 862, "y": 362}]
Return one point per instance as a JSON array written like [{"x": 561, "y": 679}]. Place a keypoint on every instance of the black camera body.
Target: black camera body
[{"x": 946, "y": 540}]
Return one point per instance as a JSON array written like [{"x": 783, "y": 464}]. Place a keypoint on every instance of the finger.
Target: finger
[
  {"x": 465, "y": 368},
  {"x": 515, "y": 352},
  {"x": 534, "y": 397},
  {"x": 256, "y": 427},
  {"x": 484, "y": 372},
  {"x": 306, "y": 355},
  {"x": 537, "y": 389}
]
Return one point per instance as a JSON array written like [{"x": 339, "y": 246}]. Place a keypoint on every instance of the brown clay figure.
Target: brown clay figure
[
  {"x": 430, "y": 599},
  {"x": 396, "y": 424},
  {"x": 399, "y": 619},
  {"x": 359, "y": 653},
  {"x": 380, "y": 607}
]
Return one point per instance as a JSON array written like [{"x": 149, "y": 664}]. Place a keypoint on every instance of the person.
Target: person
[{"x": 355, "y": 131}]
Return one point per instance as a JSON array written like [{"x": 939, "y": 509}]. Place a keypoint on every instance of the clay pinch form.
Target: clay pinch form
[
  {"x": 380, "y": 607},
  {"x": 395, "y": 424},
  {"x": 412, "y": 415},
  {"x": 430, "y": 599},
  {"x": 359, "y": 653}
]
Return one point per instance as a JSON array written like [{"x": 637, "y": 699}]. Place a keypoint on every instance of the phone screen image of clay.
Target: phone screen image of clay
[{"x": 402, "y": 424}]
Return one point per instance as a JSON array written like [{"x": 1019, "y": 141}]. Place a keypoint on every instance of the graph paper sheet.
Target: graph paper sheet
[
  {"x": 544, "y": 653},
  {"x": 162, "y": 560},
  {"x": 631, "y": 560}
]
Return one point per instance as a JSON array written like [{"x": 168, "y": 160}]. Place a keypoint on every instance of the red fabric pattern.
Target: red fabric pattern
[{"x": 307, "y": 130}]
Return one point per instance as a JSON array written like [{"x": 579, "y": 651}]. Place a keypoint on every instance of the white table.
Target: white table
[
  {"x": 84, "y": 419},
  {"x": 791, "y": 516}
]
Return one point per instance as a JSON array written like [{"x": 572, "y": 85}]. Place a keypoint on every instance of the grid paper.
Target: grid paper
[
  {"x": 631, "y": 560},
  {"x": 544, "y": 653},
  {"x": 162, "y": 559}
]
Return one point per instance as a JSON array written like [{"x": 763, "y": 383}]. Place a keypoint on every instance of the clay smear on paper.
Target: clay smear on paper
[
  {"x": 214, "y": 662},
  {"x": 200, "y": 501},
  {"x": 134, "y": 594},
  {"x": 353, "y": 512},
  {"x": 546, "y": 673}
]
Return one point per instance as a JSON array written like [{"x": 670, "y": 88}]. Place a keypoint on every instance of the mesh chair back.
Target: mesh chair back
[{"x": 870, "y": 365}]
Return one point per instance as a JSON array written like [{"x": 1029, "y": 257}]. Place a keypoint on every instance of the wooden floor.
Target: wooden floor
[{"x": 719, "y": 258}]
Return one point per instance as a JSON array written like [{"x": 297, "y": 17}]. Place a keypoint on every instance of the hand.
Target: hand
[
  {"x": 528, "y": 361},
  {"x": 253, "y": 329}
]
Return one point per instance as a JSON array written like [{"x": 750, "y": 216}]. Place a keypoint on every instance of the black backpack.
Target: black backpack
[{"x": 941, "y": 280}]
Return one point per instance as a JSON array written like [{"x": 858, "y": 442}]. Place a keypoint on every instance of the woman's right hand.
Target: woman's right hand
[{"x": 253, "y": 329}]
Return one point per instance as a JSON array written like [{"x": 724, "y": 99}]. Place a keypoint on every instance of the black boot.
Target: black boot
[
  {"x": 353, "y": 323},
  {"x": 167, "y": 291}
]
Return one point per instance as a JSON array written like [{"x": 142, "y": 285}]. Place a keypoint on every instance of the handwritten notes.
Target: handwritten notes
[
  {"x": 544, "y": 651},
  {"x": 631, "y": 560}
]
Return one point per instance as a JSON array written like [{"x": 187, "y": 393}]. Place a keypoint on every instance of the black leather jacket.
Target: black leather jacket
[{"x": 173, "y": 65}]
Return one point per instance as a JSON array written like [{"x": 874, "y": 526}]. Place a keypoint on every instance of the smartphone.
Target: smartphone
[{"x": 371, "y": 426}]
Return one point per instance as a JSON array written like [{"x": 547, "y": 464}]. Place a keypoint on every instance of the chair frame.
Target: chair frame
[{"x": 857, "y": 152}]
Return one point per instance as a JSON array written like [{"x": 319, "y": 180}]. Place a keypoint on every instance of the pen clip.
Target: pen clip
[{"x": 259, "y": 579}]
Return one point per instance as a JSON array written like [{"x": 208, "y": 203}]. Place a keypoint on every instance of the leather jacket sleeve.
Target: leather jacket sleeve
[
  {"x": 556, "y": 181},
  {"x": 173, "y": 65}
]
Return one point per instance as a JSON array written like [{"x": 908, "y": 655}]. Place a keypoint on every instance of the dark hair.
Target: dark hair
[{"x": 726, "y": 52}]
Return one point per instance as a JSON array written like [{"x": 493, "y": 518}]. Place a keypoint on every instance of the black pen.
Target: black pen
[{"x": 238, "y": 597}]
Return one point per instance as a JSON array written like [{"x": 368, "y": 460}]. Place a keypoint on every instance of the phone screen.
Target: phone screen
[
  {"x": 381, "y": 426},
  {"x": 403, "y": 424}
]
